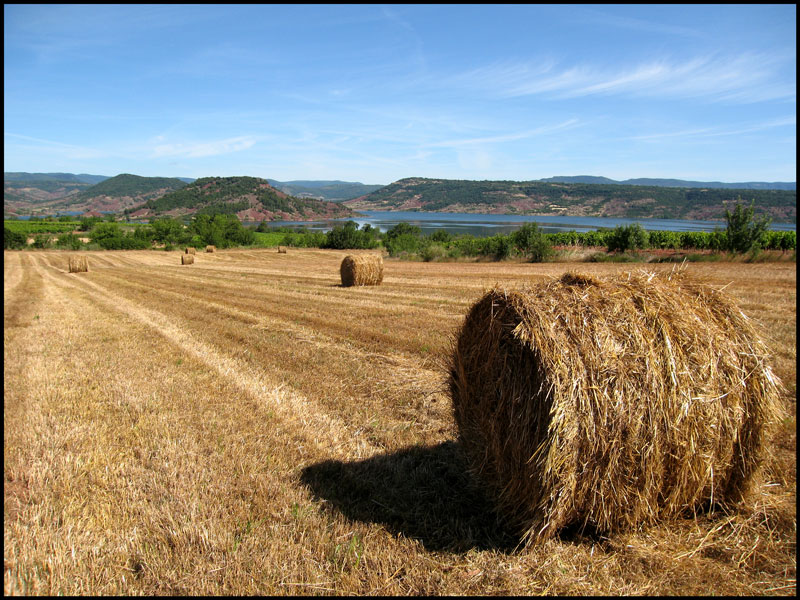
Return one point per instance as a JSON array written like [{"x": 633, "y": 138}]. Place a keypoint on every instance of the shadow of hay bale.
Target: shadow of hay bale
[{"x": 423, "y": 493}]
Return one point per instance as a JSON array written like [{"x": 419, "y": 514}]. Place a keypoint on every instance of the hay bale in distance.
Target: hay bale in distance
[
  {"x": 281, "y": 250},
  {"x": 78, "y": 264},
  {"x": 191, "y": 250},
  {"x": 610, "y": 403},
  {"x": 210, "y": 248},
  {"x": 187, "y": 259},
  {"x": 362, "y": 269}
]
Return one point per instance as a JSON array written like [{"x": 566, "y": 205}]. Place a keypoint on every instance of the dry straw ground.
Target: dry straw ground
[{"x": 250, "y": 426}]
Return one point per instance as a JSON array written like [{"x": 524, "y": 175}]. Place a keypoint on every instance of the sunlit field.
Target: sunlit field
[{"x": 246, "y": 425}]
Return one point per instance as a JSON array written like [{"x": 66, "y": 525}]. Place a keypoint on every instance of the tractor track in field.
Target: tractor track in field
[
  {"x": 320, "y": 430},
  {"x": 384, "y": 378},
  {"x": 23, "y": 293},
  {"x": 277, "y": 308}
]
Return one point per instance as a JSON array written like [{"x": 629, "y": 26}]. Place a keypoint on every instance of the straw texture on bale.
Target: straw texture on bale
[
  {"x": 187, "y": 259},
  {"x": 281, "y": 250},
  {"x": 191, "y": 250},
  {"x": 211, "y": 248},
  {"x": 78, "y": 264},
  {"x": 362, "y": 269},
  {"x": 610, "y": 403}
]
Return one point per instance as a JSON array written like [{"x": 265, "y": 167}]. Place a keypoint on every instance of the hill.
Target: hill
[
  {"x": 249, "y": 198},
  {"x": 119, "y": 193},
  {"x": 333, "y": 191},
  {"x": 49, "y": 193},
  {"x": 573, "y": 199},
  {"x": 749, "y": 185},
  {"x": 50, "y": 177},
  {"x": 27, "y": 193}
]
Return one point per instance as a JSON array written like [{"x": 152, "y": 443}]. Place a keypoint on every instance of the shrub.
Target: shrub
[
  {"x": 433, "y": 251},
  {"x": 405, "y": 243},
  {"x": 13, "y": 240},
  {"x": 532, "y": 243},
  {"x": 348, "y": 236},
  {"x": 441, "y": 236},
  {"x": 627, "y": 237},
  {"x": 744, "y": 232},
  {"x": 42, "y": 241},
  {"x": 70, "y": 241}
]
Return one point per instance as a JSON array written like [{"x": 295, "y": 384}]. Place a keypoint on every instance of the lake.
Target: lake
[{"x": 482, "y": 225}]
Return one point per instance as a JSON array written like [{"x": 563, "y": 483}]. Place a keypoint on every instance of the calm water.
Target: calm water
[{"x": 481, "y": 225}]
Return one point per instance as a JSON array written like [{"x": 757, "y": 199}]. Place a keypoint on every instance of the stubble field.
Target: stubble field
[{"x": 245, "y": 425}]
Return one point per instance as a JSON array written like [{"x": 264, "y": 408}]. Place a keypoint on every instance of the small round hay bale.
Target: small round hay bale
[
  {"x": 78, "y": 264},
  {"x": 187, "y": 259},
  {"x": 362, "y": 269},
  {"x": 211, "y": 248},
  {"x": 281, "y": 250},
  {"x": 610, "y": 403},
  {"x": 191, "y": 250}
]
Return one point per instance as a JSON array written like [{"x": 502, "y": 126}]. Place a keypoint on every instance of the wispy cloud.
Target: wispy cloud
[
  {"x": 69, "y": 151},
  {"x": 745, "y": 78},
  {"x": 716, "y": 132},
  {"x": 202, "y": 149},
  {"x": 509, "y": 137}
]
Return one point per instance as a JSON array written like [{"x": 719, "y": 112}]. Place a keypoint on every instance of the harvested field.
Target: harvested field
[{"x": 250, "y": 426}]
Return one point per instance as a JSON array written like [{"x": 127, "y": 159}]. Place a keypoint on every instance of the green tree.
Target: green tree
[
  {"x": 88, "y": 222},
  {"x": 744, "y": 232},
  {"x": 104, "y": 230},
  {"x": 627, "y": 237},
  {"x": 220, "y": 230},
  {"x": 441, "y": 236},
  {"x": 531, "y": 242},
  {"x": 405, "y": 243},
  {"x": 167, "y": 230},
  {"x": 401, "y": 228},
  {"x": 349, "y": 236}
]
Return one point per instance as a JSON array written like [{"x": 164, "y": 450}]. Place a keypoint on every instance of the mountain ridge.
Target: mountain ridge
[
  {"x": 573, "y": 199},
  {"x": 662, "y": 182},
  {"x": 51, "y": 193}
]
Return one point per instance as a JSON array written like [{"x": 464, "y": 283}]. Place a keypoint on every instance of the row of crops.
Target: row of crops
[{"x": 468, "y": 245}]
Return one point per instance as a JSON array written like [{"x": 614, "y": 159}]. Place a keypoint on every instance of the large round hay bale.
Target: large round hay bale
[
  {"x": 187, "y": 259},
  {"x": 211, "y": 248},
  {"x": 362, "y": 269},
  {"x": 191, "y": 250},
  {"x": 78, "y": 264},
  {"x": 281, "y": 250},
  {"x": 610, "y": 403}
]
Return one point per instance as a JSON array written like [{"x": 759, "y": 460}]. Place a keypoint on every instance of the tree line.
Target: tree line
[{"x": 743, "y": 233}]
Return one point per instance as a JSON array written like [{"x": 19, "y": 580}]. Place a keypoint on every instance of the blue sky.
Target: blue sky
[{"x": 375, "y": 93}]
